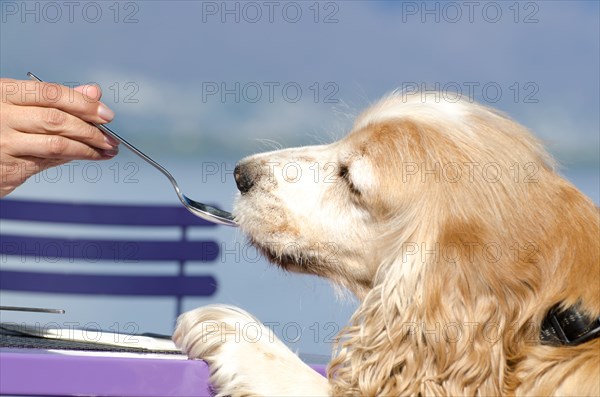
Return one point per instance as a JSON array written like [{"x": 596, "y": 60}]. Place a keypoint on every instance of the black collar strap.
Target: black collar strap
[{"x": 569, "y": 327}]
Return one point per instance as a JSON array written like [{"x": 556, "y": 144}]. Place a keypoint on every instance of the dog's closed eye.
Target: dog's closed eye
[{"x": 344, "y": 175}]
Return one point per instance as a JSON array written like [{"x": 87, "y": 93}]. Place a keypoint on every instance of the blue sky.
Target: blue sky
[{"x": 298, "y": 72}]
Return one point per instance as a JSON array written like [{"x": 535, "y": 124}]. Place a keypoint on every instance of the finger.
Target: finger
[
  {"x": 34, "y": 93},
  {"x": 91, "y": 91},
  {"x": 38, "y": 120},
  {"x": 54, "y": 147},
  {"x": 94, "y": 91}
]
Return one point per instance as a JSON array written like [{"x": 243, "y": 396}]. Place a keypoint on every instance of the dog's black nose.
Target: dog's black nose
[{"x": 243, "y": 178}]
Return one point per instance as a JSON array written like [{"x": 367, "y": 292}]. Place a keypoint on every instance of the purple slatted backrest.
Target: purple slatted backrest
[{"x": 97, "y": 250}]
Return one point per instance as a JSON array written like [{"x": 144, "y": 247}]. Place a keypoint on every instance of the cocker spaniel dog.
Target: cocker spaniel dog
[{"x": 476, "y": 265}]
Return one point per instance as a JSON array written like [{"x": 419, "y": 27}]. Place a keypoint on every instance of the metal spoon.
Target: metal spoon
[{"x": 203, "y": 211}]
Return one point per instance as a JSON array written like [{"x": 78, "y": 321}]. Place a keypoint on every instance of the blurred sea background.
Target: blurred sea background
[{"x": 198, "y": 85}]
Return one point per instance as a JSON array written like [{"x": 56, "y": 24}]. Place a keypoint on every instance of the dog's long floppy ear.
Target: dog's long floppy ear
[
  {"x": 438, "y": 321},
  {"x": 457, "y": 306}
]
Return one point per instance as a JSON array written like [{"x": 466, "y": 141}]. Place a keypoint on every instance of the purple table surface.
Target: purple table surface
[{"x": 49, "y": 373}]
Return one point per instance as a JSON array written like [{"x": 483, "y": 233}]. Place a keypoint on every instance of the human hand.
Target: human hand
[{"x": 43, "y": 125}]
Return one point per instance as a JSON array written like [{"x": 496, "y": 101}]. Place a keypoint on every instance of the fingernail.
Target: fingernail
[
  {"x": 111, "y": 152},
  {"x": 105, "y": 113},
  {"x": 111, "y": 141}
]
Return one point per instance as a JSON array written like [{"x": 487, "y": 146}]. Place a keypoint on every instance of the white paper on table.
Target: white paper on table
[{"x": 94, "y": 336}]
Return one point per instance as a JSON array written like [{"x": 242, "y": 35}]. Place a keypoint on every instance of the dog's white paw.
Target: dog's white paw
[{"x": 245, "y": 358}]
